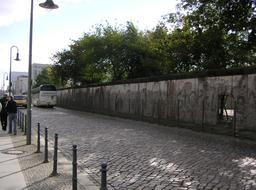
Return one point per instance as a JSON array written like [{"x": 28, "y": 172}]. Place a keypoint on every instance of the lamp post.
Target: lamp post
[
  {"x": 48, "y": 4},
  {"x": 10, "y": 72}
]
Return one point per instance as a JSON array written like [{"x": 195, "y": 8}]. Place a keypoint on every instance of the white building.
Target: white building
[
  {"x": 21, "y": 85},
  {"x": 37, "y": 69},
  {"x": 20, "y": 79},
  {"x": 16, "y": 74},
  {"x": 14, "y": 78}
]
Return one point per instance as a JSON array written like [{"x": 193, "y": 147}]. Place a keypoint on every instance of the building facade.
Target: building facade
[
  {"x": 15, "y": 76},
  {"x": 21, "y": 85}
]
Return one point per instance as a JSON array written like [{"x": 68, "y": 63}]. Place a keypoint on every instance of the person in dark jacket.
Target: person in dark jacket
[
  {"x": 3, "y": 113},
  {"x": 11, "y": 108}
]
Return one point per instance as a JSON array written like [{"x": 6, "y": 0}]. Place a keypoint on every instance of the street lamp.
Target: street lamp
[
  {"x": 48, "y": 4},
  {"x": 10, "y": 72}
]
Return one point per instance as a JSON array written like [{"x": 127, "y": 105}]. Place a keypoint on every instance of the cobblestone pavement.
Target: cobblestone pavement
[
  {"x": 37, "y": 174},
  {"x": 148, "y": 156}
]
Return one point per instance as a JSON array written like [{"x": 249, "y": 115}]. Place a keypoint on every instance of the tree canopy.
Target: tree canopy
[
  {"x": 201, "y": 35},
  {"x": 45, "y": 77}
]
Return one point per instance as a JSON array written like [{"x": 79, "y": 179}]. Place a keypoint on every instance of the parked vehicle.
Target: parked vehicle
[
  {"x": 21, "y": 100},
  {"x": 44, "y": 96}
]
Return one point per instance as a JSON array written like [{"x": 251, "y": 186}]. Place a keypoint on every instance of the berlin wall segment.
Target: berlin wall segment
[{"x": 189, "y": 100}]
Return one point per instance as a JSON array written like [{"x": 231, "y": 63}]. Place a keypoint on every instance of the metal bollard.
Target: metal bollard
[
  {"x": 18, "y": 112},
  {"x": 21, "y": 115},
  {"x": 46, "y": 146},
  {"x": 38, "y": 138},
  {"x": 25, "y": 124},
  {"x": 18, "y": 118},
  {"x": 103, "y": 177},
  {"x": 22, "y": 122},
  {"x": 74, "y": 164},
  {"x": 55, "y": 156}
]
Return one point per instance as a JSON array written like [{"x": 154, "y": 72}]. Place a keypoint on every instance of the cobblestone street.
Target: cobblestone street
[{"x": 148, "y": 156}]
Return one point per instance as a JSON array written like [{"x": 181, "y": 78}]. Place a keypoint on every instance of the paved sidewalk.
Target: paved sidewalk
[
  {"x": 23, "y": 169},
  {"x": 11, "y": 176}
]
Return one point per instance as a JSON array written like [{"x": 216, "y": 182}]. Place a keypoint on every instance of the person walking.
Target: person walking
[
  {"x": 11, "y": 107},
  {"x": 3, "y": 113}
]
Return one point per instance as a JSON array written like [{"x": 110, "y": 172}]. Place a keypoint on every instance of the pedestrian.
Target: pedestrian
[
  {"x": 3, "y": 112},
  {"x": 11, "y": 107}
]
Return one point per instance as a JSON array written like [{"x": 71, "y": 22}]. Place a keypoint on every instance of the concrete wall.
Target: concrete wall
[{"x": 166, "y": 101}]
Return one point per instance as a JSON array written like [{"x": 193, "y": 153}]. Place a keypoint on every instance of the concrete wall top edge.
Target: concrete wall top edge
[{"x": 180, "y": 76}]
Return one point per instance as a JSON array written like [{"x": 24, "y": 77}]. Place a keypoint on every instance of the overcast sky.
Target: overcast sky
[{"x": 54, "y": 30}]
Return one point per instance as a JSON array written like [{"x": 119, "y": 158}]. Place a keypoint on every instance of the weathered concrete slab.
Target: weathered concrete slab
[{"x": 194, "y": 100}]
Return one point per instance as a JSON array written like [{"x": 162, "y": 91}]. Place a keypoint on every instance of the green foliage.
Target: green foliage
[
  {"x": 109, "y": 54},
  {"x": 223, "y": 32},
  {"x": 45, "y": 77},
  {"x": 202, "y": 35}
]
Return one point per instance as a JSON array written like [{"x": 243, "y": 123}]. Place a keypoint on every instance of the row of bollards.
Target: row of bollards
[
  {"x": 74, "y": 161},
  {"x": 22, "y": 121}
]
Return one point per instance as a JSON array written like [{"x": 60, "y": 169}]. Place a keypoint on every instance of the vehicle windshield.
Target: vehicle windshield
[
  {"x": 48, "y": 88},
  {"x": 19, "y": 97}
]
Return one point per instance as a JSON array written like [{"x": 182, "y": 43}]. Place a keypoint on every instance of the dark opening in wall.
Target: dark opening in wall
[{"x": 225, "y": 108}]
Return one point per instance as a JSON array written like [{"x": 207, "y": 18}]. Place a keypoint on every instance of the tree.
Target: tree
[
  {"x": 223, "y": 32},
  {"x": 202, "y": 35},
  {"x": 108, "y": 54},
  {"x": 43, "y": 78}
]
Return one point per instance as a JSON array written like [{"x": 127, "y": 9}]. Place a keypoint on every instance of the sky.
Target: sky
[{"x": 54, "y": 30}]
